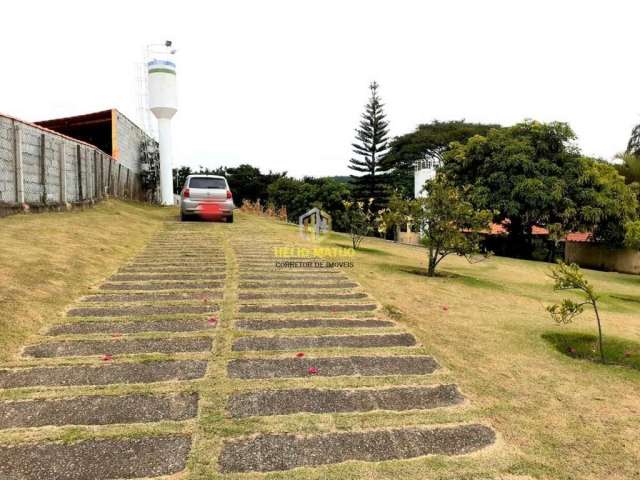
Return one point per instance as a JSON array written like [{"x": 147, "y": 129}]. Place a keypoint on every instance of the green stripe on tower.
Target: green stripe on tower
[{"x": 162, "y": 70}]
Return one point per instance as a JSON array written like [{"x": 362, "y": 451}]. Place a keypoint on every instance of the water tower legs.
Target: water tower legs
[{"x": 166, "y": 163}]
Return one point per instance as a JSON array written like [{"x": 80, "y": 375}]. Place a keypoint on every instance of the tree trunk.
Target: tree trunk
[
  {"x": 595, "y": 308},
  {"x": 431, "y": 268}
]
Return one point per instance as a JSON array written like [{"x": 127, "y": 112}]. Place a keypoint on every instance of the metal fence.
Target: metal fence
[{"x": 40, "y": 167}]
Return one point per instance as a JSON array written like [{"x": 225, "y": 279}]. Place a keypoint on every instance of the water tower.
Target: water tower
[
  {"x": 425, "y": 169},
  {"x": 163, "y": 102}
]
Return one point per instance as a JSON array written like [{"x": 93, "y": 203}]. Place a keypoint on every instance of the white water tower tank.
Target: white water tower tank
[
  {"x": 425, "y": 169},
  {"x": 163, "y": 102}
]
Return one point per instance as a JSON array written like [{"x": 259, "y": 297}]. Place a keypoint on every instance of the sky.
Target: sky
[{"x": 281, "y": 84}]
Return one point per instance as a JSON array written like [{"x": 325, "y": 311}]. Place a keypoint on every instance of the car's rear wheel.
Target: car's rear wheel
[
  {"x": 184, "y": 217},
  {"x": 230, "y": 218}
]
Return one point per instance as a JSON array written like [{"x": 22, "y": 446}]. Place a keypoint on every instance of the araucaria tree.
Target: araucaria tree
[
  {"x": 448, "y": 223},
  {"x": 370, "y": 147}
]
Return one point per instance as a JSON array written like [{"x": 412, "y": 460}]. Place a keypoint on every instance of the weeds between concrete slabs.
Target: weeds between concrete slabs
[
  {"x": 251, "y": 406},
  {"x": 137, "y": 416}
]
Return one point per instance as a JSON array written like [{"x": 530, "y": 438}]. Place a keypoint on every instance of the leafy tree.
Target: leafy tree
[
  {"x": 632, "y": 235},
  {"x": 249, "y": 183},
  {"x": 180, "y": 175},
  {"x": 449, "y": 224},
  {"x": 358, "y": 219},
  {"x": 370, "y": 148},
  {"x": 605, "y": 204},
  {"x": 429, "y": 141},
  {"x": 569, "y": 277},
  {"x": 629, "y": 167},
  {"x": 298, "y": 196},
  {"x": 533, "y": 175}
]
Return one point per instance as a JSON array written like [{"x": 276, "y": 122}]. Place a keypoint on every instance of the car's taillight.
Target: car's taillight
[
  {"x": 185, "y": 193},
  {"x": 229, "y": 194}
]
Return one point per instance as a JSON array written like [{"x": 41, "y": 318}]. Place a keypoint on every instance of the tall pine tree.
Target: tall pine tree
[{"x": 370, "y": 147}]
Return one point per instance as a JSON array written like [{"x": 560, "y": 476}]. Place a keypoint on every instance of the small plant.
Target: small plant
[
  {"x": 569, "y": 277},
  {"x": 358, "y": 220}
]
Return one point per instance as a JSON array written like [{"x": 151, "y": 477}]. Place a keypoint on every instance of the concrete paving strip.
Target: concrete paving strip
[
  {"x": 105, "y": 374},
  {"x": 331, "y": 366},
  {"x": 285, "y": 285},
  {"x": 292, "y": 308},
  {"x": 98, "y": 410},
  {"x": 121, "y": 346},
  {"x": 323, "y": 341},
  {"x": 300, "y": 296},
  {"x": 311, "y": 323},
  {"x": 130, "y": 327},
  {"x": 122, "y": 277},
  {"x": 272, "y": 452},
  {"x": 153, "y": 286},
  {"x": 175, "y": 269},
  {"x": 311, "y": 400},
  {"x": 98, "y": 459},
  {"x": 176, "y": 263},
  {"x": 131, "y": 311},
  {"x": 310, "y": 276},
  {"x": 153, "y": 297}
]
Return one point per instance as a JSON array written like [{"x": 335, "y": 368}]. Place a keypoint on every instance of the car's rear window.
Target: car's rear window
[{"x": 205, "y": 182}]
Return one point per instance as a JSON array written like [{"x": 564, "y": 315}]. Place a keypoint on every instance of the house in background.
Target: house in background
[{"x": 581, "y": 249}]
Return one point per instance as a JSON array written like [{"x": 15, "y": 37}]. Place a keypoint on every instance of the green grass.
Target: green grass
[
  {"x": 584, "y": 346},
  {"x": 48, "y": 260},
  {"x": 557, "y": 416}
]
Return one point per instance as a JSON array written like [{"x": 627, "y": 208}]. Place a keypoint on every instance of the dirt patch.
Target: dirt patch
[
  {"x": 301, "y": 296},
  {"x": 125, "y": 277},
  {"x": 131, "y": 327},
  {"x": 331, "y": 366},
  {"x": 311, "y": 323},
  {"x": 306, "y": 308},
  {"x": 266, "y": 453},
  {"x": 285, "y": 402},
  {"x": 146, "y": 372},
  {"x": 141, "y": 310},
  {"x": 98, "y": 410},
  {"x": 153, "y": 286},
  {"x": 153, "y": 297},
  {"x": 117, "y": 347},
  {"x": 96, "y": 459},
  {"x": 284, "y": 285},
  {"x": 323, "y": 341}
]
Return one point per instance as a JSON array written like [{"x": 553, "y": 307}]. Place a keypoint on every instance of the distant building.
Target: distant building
[
  {"x": 424, "y": 169},
  {"x": 71, "y": 160},
  {"x": 108, "y": 130}
]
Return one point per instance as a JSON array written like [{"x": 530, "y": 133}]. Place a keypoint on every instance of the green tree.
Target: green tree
[
  {"x": 629, "y": 166},
  {"x": 428, "y": 142},
  {"x": 370, "y": 148},
  {"x": 569, "y": 277},
  {"x": 604, "y": 203},
  {"x": 358, "y": 220},
  {"x": 298, "y": 196},
  {"x": 180, "y": 175},
  {"x": 449, "y": 223},
  {"x": 532, "y": 174}
]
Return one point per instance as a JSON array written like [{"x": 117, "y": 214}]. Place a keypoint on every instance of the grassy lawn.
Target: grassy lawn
[
  {"x": 557, "y": 413},
  {"x": 48, "y": 260},
  {"x": 559, "y": 416}
]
